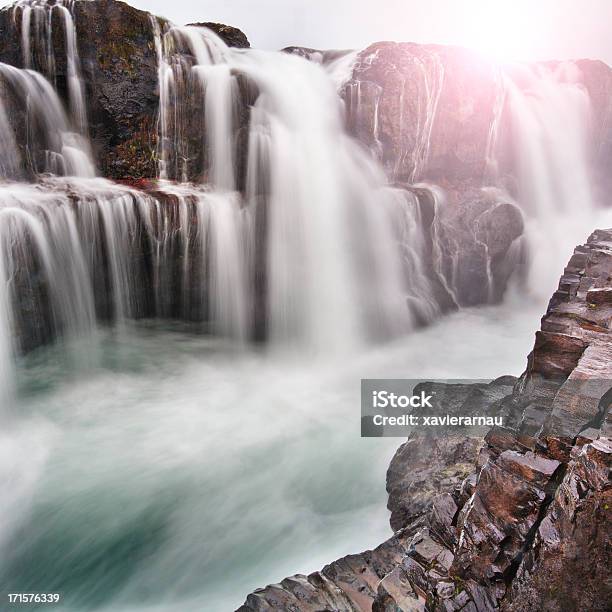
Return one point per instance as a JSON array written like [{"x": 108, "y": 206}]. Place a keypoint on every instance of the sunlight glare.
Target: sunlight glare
[{"x": 499, "y": 29}]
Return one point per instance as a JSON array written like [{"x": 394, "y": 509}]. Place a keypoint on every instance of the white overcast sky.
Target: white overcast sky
[{"x": 510, "y": 29}]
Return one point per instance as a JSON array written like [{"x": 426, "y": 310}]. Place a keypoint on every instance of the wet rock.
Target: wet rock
[
  {"x": 496, "y": 522},
  {"x": 599, "y": 296},
  {"x": 556, "y": 355},
  {"x": 305, "y": 52},
  {"x": 395, "y": 592},
  {"x": 480, "y": 252},
  {"x": 568, "y": 565},
  {"x": 419, "y": 467},
  {"x": 569, "y": 373},
  {"x": 232, "y": 37},
  {"x": 119, "y": 69},
  {"x": 528, "y": 528},
  {"x": 426, "y": 466},
  {"x": 443, "y": 513},
  {"x": 347, "y": 585},
  {"x": 425, "y": 124},
  {"x": 427, "y": 110}
]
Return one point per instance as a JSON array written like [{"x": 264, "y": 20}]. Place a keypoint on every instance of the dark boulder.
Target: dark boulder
[
  {"x": 232, "y": 37},
  {"x": 116, "y": 45}
]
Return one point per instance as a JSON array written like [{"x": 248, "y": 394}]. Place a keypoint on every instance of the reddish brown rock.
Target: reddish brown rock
[
  {"x": 569, "y": 563},
  {"x": 599, "y": 296},
  {"x": 529, "y": 527}
]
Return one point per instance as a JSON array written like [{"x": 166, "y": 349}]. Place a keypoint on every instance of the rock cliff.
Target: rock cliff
[
  {"x": 118, "y": 59},
  {"x": 431, "y": 112},
  {"x": 436, "y": 113},
  {"x": 518, "y": 520}
]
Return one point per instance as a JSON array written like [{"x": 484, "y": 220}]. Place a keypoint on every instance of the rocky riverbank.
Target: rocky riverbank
[{"x": 518, "y": 520}]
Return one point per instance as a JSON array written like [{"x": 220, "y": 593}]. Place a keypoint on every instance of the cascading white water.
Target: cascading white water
[
  {"x": 60, "y": 235},
  {"x": 550, "y": 114},
  {"x": 406, "y": 213},
  {"x": 334, "y": 274},
  {"x": 340, "y": 67},
  {"x": 326, "y": 283},
  {"x": 72, "y": 251},
  {"x": 327, "y": 236},
  {"x": 220, "y": 89},
  {"x": 30, "y": 216},
  {"x": 213, "y": 230},
  {"x": 49, "y": 136},
  {"x": 335, "y": 255},
  {"x": 42, "y": 11}
]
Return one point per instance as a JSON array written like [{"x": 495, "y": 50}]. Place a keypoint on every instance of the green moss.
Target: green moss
[{"x": 137, "y": 157}]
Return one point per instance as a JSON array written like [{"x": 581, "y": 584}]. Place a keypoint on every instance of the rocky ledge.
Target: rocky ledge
[
  {"x": 116, "y": 46},
  {"x": 433, "y": 112},
  {"x": 517, "y": 520}
]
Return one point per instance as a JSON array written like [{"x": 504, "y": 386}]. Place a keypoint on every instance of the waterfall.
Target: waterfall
[
  {"x": 207, "y": 234},
  {"x": 552, "y": 121},
  {"x": 41, "y": 55},
  {"x": 405, "y": 209},
  {"x": 73, "y": 67},
  {"x": 50, "y": 143},
  {"x": 71, "y": 255},
  {"x": 333, "y": 271},
  {"x": 279, "y": 225},
  {"x": 430, "y": 88},
  {"x": 550, "y": 116},
  {"x": 267, "y": 221}
]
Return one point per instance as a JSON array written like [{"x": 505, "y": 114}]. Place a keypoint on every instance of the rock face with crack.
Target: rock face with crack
[{"x": 518, "y": 520}]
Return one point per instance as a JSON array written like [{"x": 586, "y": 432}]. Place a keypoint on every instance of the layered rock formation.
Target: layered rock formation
[
  {"x": 436, "y": 113},
  {"x": 119, "y": 69},
  {"x": 426, "y": 108},
  {"x": 430, "y": 113},
  {"x": 517, "y": 521}
]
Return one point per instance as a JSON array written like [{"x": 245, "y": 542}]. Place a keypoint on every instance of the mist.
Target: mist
[{"x": 548, "y": 29}]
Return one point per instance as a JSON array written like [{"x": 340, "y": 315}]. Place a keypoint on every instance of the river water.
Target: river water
[{"x": 180, "y": 474}]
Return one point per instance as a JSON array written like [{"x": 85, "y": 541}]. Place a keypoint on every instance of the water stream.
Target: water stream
[{"x": 179, "y": 369}]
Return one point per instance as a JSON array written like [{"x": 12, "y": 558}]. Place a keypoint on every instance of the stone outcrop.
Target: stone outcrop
[
  {"x": 434, "y": 113},
  {"x": 427, "y": 108},
  {"x": 232, "y": 37},
  {"x": 570, "y": 368},
  {"x": 425, "y": 465},
  {"x": 473, "y": 243},
  {"x": 567, "y": 567},
  {"x": 119, "y": 68},
  {"x": 518, "y": 520},
  {"x": 478, "y": 237}
]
